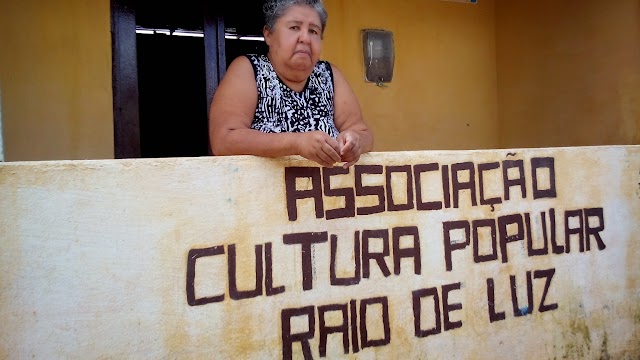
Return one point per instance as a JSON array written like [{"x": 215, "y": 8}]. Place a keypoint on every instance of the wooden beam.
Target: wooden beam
[
  {"x": 126, "y": 118},
  {"x": 214, "y": 52}
]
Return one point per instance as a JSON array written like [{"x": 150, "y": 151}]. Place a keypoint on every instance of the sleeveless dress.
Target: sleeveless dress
[{"x": 281, "y": 109}]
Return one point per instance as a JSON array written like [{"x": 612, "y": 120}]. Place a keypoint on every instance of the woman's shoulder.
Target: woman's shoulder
[
  {"x": 243, "y": 65},
  {"x": 240, "y": 73},
  {"x": 239, "y": 63},
  {"x": 245, "y": 60}
]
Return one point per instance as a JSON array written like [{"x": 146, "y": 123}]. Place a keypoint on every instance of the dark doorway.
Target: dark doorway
[
  {"x": 163, "y": 83},
  {"x": 171, "y": 79},
  {"x": 172, "y": 98}
]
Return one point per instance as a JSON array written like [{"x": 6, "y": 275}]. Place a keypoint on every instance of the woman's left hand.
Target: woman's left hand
[
  {"x": 355, "y": 137},
  {"x": 350, "y": 147}
]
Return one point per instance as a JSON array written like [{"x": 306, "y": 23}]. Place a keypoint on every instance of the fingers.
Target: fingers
[
  {"x": 350, "y": 163},
  {"x": 331, "y": 154},
  {"x": 334, "y": 150},
  {"x": 318, "y": 146},
  {"x": 347, "y": 146},
  {"x": 322, "y": 159},
  {"x": 327, "y": 155},
  {"x": 326, "y": 151},
  {"x": 351, "y": 159},
  {"x": 346, "y": 141},
  {"x": 352, "y": 154}
]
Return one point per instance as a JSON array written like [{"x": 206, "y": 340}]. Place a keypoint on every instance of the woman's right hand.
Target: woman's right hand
[{"x": 318, "y": 146}]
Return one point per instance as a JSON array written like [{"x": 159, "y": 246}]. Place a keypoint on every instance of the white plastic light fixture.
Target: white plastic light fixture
[{"x": 379, "y": 56}]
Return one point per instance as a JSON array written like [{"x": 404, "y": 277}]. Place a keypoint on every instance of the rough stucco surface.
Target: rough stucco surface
[{"x": 95, "y": 257}]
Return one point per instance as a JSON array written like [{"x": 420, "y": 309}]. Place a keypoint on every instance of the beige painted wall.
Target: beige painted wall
[
  {"x": 115, "y": 259},
  {"x": 55, "y": 71},
  {"x": 568, "y": 72},
  {"x": 444, "y": 91}
]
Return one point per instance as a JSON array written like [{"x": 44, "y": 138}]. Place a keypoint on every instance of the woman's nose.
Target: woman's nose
[{"x": 304, "y": 38}]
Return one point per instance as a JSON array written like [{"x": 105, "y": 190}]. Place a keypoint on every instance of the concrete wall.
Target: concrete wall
[
  {"x": 456, "y": 254},
  {"x": 444, "y": 91},
  {"x": 55, "y": 71},
  {"x": 568, "y": 72}
]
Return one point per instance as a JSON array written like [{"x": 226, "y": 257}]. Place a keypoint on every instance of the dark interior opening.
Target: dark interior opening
[
  {"x": 171, "y": 86},
  {"x": 171, "y": 71}
]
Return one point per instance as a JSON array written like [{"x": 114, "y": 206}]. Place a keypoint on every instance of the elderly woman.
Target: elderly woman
[{"x": 288, "y": 102}]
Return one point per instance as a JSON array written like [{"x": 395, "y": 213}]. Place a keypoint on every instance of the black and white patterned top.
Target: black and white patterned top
[{"x": 281, "y": 109}]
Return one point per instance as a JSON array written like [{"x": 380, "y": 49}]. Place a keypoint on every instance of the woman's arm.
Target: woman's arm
[
  {"x": 231, "y": 114},
  {"x": 355, "y": 136}
]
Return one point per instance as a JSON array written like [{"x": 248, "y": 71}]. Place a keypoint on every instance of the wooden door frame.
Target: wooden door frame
[
  {"x": 214, "y": 50},
  {"x": 124, "y": 72},
  {"x": 1, "y": 141},
  {"x": 126, "y": 107}
]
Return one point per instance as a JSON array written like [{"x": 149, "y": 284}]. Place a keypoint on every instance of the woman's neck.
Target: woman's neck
[{"x": 293, "y": 78}]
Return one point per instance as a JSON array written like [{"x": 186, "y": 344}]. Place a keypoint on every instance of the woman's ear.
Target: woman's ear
[{"x": 267, "y": 35}]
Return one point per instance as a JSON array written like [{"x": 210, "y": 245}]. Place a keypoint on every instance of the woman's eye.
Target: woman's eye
[
  {"x": 295, "y": 27},
  {"x": 314, "y": 32}
]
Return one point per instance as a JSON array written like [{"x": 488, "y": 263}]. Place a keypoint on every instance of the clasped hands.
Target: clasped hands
[{"x": 318, "y": 146}]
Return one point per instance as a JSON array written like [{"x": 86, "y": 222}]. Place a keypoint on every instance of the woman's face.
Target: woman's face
[{"x": 296, "y": 38}]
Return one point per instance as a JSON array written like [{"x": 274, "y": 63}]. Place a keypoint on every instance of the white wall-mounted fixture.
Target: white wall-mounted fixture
[{"x": 379, "y": 56}]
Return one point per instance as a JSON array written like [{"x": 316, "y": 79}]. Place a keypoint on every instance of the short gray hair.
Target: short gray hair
[{"x": 274, "y": 9}]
